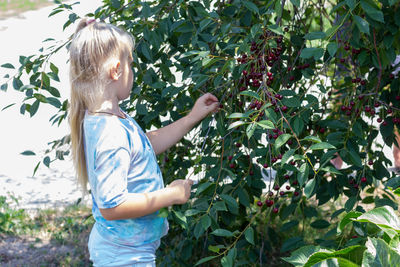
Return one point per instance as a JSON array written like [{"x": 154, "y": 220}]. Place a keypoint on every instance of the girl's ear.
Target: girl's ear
[{"x": 115, "y": 71}]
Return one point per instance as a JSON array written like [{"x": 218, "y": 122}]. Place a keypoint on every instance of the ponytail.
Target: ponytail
[
  {"x": 76, "y": 115},
  {"x": 92, "y": 45}
]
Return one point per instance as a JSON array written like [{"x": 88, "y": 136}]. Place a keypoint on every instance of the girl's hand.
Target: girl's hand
[
  {"x": 204, "y": 105},
  {"x": 182, "y": 189}
]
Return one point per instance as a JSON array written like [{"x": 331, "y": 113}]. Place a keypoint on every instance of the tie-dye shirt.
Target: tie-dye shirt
[{"x": 120, "y": 160}]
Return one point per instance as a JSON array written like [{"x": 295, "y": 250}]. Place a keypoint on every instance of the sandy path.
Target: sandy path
[{"x": 23, "y": 35}]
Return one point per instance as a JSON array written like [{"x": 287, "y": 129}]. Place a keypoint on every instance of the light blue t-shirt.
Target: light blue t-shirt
[{"x": 120, "y": 160}]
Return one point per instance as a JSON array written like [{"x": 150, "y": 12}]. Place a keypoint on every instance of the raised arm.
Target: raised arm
[{"x": 163, "y": 138}]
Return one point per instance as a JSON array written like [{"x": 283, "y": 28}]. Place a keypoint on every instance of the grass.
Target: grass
[
  {"x": 14, "y": 7},
  {"x": 49, "y": 238}
]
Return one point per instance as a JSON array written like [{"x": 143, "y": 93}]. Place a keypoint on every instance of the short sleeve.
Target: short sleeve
[{"x": 111, "y": 166}]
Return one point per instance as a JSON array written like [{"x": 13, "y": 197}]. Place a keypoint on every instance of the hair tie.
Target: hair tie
[{"x": 89, "y": 21}]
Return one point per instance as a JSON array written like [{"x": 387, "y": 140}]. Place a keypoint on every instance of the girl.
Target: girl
[{"x": 112, "y": 153}]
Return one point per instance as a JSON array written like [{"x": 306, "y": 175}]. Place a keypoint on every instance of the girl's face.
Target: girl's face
[{"x": 126, "y": 79}]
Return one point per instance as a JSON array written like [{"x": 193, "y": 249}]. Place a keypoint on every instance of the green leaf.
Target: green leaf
[
  {"x": 312, "y": 138},
  {"x": 203, "y": 260},
  {"x": 314, "y": 35},
  {"x": 303, "y": 174},
  {"x": 231, "y": 202},
  {"x": 296, "y": 3},
  {"x": 384, "y": 217},
  {"x": 34, "y": 108},
  {"x": 374, "y": 13},
  {"x": 292, "y": 243},
  {"x": 276, "y": 29},
  {"x": 250, "y": 6},
  {"x": 236, "y": 124},
  {"x": 309, "y": 188},
  {"x": 350, "y": 203},
  {"x": 17, "y": 84},
  {"x": 249, "y": 235},
  {"x": 36, "y": 168},
  {"x": 300, "y": 256},
  {"x": 28, "y": 153},
  {"x": 205, "y": 222},
  {"x": 344, "y": 255},
  {"x": 281, "y": 140},
  {"x": 287, "y": 155},
  {"x": 322, "y": 145},
  {"x": 393, "y": 183},
  {"x": 229, "y": 259},
  {"x": 346, "y": 220},
  {"x": 332, "y": 48},
  {"x": 351, "y": 3},
  {"x": 237, "y": 116},
  {"x": 292, "y": 102},
  {"x": 222, "y": 232},
  {"x": 266, "y": 124},
  {"x": 251, "y": 94},
  {"x": 4, "y": 87},
  {"x": 250, "y": 129},
  {"x": 320, "y": 224},
  {"x": 362, "y": 24},
  {"x": 378, "y": 253},
  {"x": 46, "y": 161},
  {"x": 309, "y": 52},
  {"x": 8, "y": 66}
]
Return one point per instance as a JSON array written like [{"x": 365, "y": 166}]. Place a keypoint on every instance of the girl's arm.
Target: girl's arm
[
  {"x": 138, "y": 205},
  {"x": 163, "y": 138}
]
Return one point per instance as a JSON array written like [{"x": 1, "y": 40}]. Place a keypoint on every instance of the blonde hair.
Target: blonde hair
[{"x": 93, "y": 44}]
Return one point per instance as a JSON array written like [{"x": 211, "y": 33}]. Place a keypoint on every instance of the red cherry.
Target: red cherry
[
  {"x": 296, "y": 193},
  {"x": 259, "y": 203},
  {"x": 238, "y": 144},
  {"x": 269, "y": 202},
  {"x": 288, "y": 187},
  {"x": 230, "y": 158},
  {"x": 232, "y": 165},
  {"x": 270, "y": 193},
  {"x": 244, "y": 72},
  {"x": 281, "y": 193},
  {"x": 363, "y": 179},
  {"x": 275, "y": 210},
  {"x": 287, "y": 176},
  {"x": 265, "y": 165},
  {"x": 276, "y": 187},
  {"x": 379, "y": 120},
  {"x": 370, "y": 162}
]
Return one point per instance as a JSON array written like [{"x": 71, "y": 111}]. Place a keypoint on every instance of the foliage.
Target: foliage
[
  {"x": 12, "y": 221},
  {"x": 299, "y": 82},
  {"x": 378, "y": 244}
]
